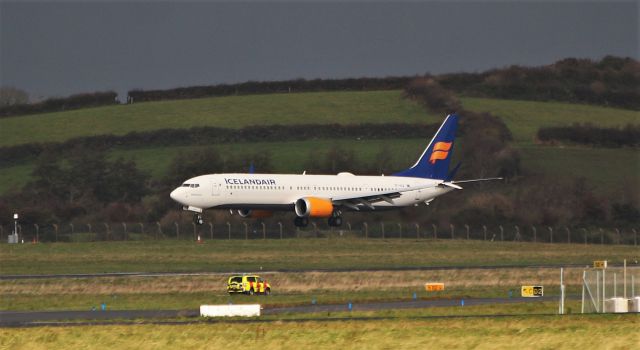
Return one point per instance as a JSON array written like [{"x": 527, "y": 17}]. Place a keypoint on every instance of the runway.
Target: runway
[
  {"x": 227, "y": 273},
  {"x": 65, "y": 318}
]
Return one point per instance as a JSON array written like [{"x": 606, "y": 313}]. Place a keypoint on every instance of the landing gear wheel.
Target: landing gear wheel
[
  {"x": 197, "y": 219},
  {"x": 301, "y": 221},
  {"x": 335, "y": 221}
]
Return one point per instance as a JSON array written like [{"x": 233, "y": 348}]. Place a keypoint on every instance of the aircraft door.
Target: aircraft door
[{"x": 215, "y": 189}]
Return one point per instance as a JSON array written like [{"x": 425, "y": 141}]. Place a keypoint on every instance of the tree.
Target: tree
[{"x": 10, "y": 96}]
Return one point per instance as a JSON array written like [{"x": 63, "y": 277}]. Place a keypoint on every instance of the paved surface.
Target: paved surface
[
  {"x": 204, "y": 273},
  {"x": 18, "y": 319}
]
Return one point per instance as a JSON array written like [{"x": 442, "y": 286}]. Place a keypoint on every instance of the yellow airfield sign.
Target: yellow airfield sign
[
  {"x": 532, "y": 291},
  {"x": 433, "y": 287},
  {"x": 600, "y": 264}
]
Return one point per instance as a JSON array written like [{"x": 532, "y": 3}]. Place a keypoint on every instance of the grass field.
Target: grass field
[
  {"x": 522, "y": 117},
  {"x": 240, "y": 255},
  {"x": 229, "y": 112},
  {"x": 544, "y": 332}
]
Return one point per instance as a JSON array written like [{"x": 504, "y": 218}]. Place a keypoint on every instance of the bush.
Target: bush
[
  {"x": 587, "y": 134},
  {"x": 61, "y": 104}
]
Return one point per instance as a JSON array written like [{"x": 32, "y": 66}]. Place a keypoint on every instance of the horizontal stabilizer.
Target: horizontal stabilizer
[{"x": 477, "y": 180}]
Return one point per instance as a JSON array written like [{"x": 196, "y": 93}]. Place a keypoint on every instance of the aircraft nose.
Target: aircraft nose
[{"x": 175, "y": 194}]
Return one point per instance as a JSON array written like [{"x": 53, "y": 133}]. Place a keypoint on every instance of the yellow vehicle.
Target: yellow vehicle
[{"x": 248, "y": 284}]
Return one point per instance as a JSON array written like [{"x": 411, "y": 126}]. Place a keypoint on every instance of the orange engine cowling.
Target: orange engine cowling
[
  {"x": 255, "y": 214},
  {"x": 314, "y": 207}
]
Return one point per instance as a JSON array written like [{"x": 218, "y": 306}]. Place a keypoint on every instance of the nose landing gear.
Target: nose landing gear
[{"x": 197, "y": 219}]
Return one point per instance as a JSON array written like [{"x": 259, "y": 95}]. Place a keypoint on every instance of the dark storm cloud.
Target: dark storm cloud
[{"x": 61, "y": 48}]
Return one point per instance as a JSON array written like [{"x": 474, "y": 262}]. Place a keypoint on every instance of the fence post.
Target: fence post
[
  {"x": 177, "y": 230},
  {"x": 484, "y": 231},
  {"x": 246, "y": 230},
  {"x": 517, "y": 238},
  {"x": 194, "y": 231},
  {"x": 211, "y": 230},
  {"x": 618, "y": 235},
  {"x": 635, "y": 236},
  {"x": 435, "y": 231},
  {"x": 417, "y": 230},
  {"x": 141, "y": 230},
  {"x": 124, "y": 234},
  {"x": 453, "y": 228},
  {"x": 37, "y": 232},
  {"x": 89, "y": 226},
  {"x": 584, "y": 231},
  {"x": 535, "y": 234},
  {"x": 467, "y": 228},
  {"x": 366, "y": 230},
  {"x": 315, "y": 229},
  {"x": 550, "y": 234},
  {"x": 159, "y": 231},
  {"x": 72, "y": 229},
  {"x": 601, "y": 236},
  {"x": 264, "y": 230},
  {"x": 106, "y": 227},
  {"x": 55, "y": 230},
  {"x": 229, "y": 227},
  {"x": 568, "y": 234},
  {"x": 349, "y": 226},
  {"x": 501, "y": 232},
  {"x": 280, "y": 224},
  {"x": 400, "y": 229},
  {"x": 382, "y": 227}
]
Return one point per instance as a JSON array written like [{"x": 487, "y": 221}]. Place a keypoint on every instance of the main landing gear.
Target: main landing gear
[
  {"x": 197, "y": 219},
  {"x": 334, "y": 221},
  {"x": 301, "y": 221}
]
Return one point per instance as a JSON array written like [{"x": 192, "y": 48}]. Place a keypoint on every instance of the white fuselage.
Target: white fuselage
[{"x": 280, "y": 191}]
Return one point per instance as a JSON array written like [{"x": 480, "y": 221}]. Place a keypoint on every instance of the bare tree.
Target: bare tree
[{"x": 12, "y": 96}]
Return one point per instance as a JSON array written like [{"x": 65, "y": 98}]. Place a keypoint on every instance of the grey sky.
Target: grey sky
[{"x": 60, "y": 48}]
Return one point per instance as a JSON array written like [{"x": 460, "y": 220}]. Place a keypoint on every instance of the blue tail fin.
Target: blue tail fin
[{"x": 434, "y": 161}]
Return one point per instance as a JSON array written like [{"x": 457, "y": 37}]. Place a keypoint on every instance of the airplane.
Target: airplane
[{"x": 254, "y": 195}]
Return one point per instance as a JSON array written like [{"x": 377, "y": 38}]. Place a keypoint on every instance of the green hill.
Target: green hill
[{"x": 522, "y": 117}]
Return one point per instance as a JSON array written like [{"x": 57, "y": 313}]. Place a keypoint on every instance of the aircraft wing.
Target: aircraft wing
[{"x": 367, "y": 199}]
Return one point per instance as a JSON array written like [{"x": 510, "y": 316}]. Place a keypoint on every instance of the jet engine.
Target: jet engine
[
  {"x": 254, "y": 214},
  {"x": 314, "y": 207}
]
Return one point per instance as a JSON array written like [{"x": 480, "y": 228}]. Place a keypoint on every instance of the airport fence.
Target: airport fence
[
  {"x": 610, "y": 289},
  {"x": 250, "y": 229}
]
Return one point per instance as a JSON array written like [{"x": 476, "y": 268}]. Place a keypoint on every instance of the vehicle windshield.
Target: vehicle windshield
[{"x": 236, "y": 279}]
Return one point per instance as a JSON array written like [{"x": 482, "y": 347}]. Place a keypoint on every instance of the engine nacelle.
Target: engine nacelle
[
  {"x": 254, "y": 214},
  {"x": 314, "y": 207}
]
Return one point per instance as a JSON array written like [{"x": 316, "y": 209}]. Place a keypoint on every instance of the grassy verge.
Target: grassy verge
[
  {"x": 188, "y": 292},
  {"x": 610, "y": 331},
  {"x": 256, "y": 255}
]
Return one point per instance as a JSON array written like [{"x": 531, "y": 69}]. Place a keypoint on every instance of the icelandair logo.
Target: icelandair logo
[
  {"x": 249, "y": 181},
  {"x": 440, "y": 151}
]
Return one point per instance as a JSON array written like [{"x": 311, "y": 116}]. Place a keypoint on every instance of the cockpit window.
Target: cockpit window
[
  {"x": 185, "y": 185},
  {"x": 191, "y": 185}
]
